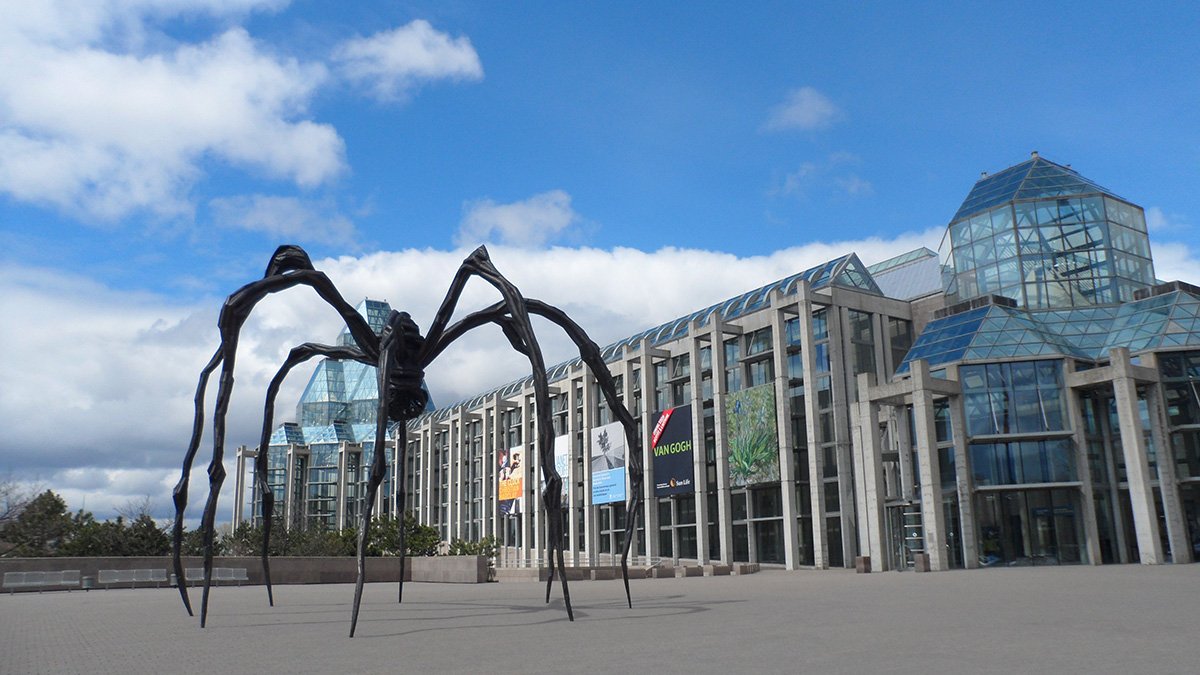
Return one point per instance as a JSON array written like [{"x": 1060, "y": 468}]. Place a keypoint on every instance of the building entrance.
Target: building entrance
[{"x": 1029, "y": 527}]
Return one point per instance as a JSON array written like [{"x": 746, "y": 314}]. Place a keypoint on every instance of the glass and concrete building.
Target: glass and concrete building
[{"x": 1029, "y": 395}]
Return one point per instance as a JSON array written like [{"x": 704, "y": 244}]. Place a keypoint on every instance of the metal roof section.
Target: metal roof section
[
  {"x": 998, "y": 332},
  {"x": 846, "y": 271},
  {"x": 910, "y": 275},
  {"x": 1034, "y": 178}
]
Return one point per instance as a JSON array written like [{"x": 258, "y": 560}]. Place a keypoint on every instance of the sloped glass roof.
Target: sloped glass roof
[
  {"x": 847, "y": 271},
  {"x": 998, "y": 332},
  {"x": 902, "y": 259},
  {"x": 1032, "y": 179}
]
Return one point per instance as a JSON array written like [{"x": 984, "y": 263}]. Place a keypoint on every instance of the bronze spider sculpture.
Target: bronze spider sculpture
[{"x": 400, "y": 355}]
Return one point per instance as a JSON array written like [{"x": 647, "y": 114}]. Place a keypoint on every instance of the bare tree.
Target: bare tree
[
  {"x": 135, "y": 508},
  {"x": 14, "y": 495}
]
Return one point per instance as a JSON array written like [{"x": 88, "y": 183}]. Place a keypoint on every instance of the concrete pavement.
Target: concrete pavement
[{"x": 1111, "y": 619}]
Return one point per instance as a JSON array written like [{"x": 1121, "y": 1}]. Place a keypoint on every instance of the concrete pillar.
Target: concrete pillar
[
  {"x": 724, "y": 506},
  {"x": 783, "y": 412},
  {"x": 933, "y": 519},
  {"x": 530, "y": 539},
  {"x": 292, "y": 511},
  {"x": 649, "y": 383},
  {"x": 816, "y": 460},
  {"x": 839, "y": 364},
  {"x": 1168, "y": 486},
  {"x": 572, "y": 477},
  {"x": 339, "y": 504},
  {"x": 591, "y": 517},
  {"x": 1137, "y": 466},
  {"x": 1083, "y": 469},
  {"x": 239, "y": 485},
  {"x": 699, "y": 452},
  {"x": 964, "y": 484},
  {"x": 872, "y": 489}
]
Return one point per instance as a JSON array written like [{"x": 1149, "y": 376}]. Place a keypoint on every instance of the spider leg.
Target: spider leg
[
  {"x": 388, "y": 346},
  {"x": 289, "y": 267},
  {"x": 180, "y": 494},
  {"x": 479, "y": 264},
  {"x": 590, "y": 354},
  {"x": 297, "y": 356}
]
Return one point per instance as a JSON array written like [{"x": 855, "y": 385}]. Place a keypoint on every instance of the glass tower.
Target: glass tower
[{"x": 1048, "y": 238}]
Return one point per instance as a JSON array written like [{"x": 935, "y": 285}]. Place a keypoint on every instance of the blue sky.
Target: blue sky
[{"x": 151, "y": 158}]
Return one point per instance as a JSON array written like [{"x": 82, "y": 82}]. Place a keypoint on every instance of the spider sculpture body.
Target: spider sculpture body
[{"x": 400, "y": 355}]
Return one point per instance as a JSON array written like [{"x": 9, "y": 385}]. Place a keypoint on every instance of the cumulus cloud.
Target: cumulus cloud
[
  {"x": 805, "y": 109},
  {"x": 392, "y": 63},
  {"x": 290, "y": 218},
  {"x": 1159, "y": 221},
  {"x": 528, "y": 223},
  {"x": 101, "y": 122}
]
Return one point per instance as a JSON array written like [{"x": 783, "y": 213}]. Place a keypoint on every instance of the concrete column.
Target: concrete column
[
  {"x": 339, "y": 505},
  {"x": 239, "y": 487},
  {"x": 965, "y": 484},
  {"x": 839, "y": 364},
  {"x": 872, "y": 489},
  {"x": 1114, "y": 493},
  {"x": 1137, "y": 465},
  {"x": 591, "y": 518},
  {"x": 933, "y": 520},
  {"x": 1168, "y": 486},
  {"x": 649, "y": 383},
  {"x": 699, "y": 452},
  {"x": 783, "y": 412},
  {"x": 1083, "y": 469},
  {"x": 724, "y": 506},
  {"x": 531, "y": 541},
  {"x": 572, "y": 491},
  {"x": 816, "y": 460},
  {"x": 291, "y": 511}
]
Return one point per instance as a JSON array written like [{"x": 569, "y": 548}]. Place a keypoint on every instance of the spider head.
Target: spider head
[{"x": 406, "y": 394}]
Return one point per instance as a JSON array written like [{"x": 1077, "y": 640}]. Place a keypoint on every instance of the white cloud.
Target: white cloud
[
  {"x": 1158, "y": 220},
  {"x": 291, "y": 218},
  {"x": 529, "y": 223},
  {"x": 104, "y": 379},
  {"x": 391, "y": 63},
  {"x": 1176, "y": 261},
  {"x": 832, "y": 174},
  {"x": 100, "y": 121},
  {"x": 806, "y": 109}
]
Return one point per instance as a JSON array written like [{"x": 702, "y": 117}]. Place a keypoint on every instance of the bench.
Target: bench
[
  {"x": 41, "y": 580},
  {"x": 195, "y": 575},
  {"x": 133, "y": 577}
]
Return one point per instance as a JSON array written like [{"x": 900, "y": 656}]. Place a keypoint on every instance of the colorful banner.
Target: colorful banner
[
  {"x": 608, "y": 464},
  {"x": 671, "y": 445},
  {"x": 512, "y": 481},
  {"x": 753, "y": 438}
]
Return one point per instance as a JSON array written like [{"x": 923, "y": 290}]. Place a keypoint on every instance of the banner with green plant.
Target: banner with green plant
[{"x": 752, "y": 436}]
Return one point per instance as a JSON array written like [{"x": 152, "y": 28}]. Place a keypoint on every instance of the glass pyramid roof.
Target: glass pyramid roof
[
  {"x": 998, "y": 332},
  {"x": 1033, "y": 179}
]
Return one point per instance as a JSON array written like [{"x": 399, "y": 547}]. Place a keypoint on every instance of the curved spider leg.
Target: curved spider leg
[
  {"x": 390, "y": 342},
  {"x": 289, "y": 267},
  {"x": 180, "y": 494},
  {"x": 298, "y": 355},
  {"x": 480, "y": 264},
  {"x": 590, "y": 354},
  {"x": 401, "y": 496}
]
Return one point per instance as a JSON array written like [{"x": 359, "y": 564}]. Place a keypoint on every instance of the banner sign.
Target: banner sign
[
  {"x": 750, "y": 425},
  {"x": 608, "y": 464},
  {"x": 671, "y": 445},
  {"x": 562, "y": 461},
  {"x": 511, "y": 494}
]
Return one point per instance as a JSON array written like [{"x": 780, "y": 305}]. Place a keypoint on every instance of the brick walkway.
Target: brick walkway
[{"x": 1114, "y": 619}]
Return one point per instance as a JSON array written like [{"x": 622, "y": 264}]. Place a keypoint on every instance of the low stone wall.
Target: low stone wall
[{"x": 470, "y": 569}]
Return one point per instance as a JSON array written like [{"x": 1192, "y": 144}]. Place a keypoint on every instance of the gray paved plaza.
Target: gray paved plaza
[{"x": 1117, "y": 619}]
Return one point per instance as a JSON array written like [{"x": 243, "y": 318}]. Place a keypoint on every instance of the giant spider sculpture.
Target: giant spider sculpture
[{"x": 400, "y": 356}]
